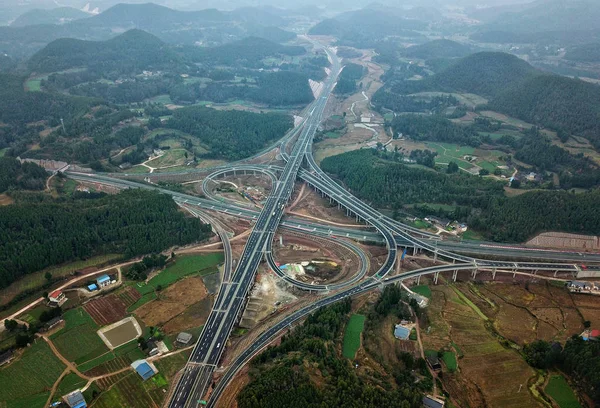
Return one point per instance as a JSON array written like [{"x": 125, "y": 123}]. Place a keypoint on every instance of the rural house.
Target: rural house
[
  {"x": 56, "y": 298},
  {"x": 103, "y": 281}
]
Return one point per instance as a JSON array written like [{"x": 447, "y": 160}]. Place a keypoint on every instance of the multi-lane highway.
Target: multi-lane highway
[{"x": 197, "y": 376}]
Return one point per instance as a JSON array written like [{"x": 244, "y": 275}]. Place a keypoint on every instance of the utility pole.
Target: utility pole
[{"x": 63, "y": 126}]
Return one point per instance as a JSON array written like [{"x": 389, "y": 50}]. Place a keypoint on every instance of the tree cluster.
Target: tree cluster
[
  {"x": 231, "y": 135},
  {"x": 25, "y": 176},
  {"x": 35, "y": 235}
]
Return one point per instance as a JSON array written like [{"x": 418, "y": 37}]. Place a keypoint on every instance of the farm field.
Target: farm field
[
  {"x": 119, "y": 358},
  {"x": 69, "y": 383},
  {"x": 354, "y": 329},
  {"x": 26, "y": 380},
  {"x": 183, "y": 266},
  {"x": 78, "y": 340},
  {"x": 130, "y": 391},
  {"x": 173, "y": 301},
  {"x": 561, "y": 392},
  {"x": 111, "y": 308},
  {"x": 169, "y": 366},
  {"x": 485, "y": 362}
]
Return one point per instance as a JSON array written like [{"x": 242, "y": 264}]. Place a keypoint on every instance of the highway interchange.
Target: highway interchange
[{"x": 197, "y": 376}]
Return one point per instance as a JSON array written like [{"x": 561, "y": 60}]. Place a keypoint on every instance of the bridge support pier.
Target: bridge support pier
[
  {"x": 453, "y": 261},
  {"x": 494, "y": 274},
  {"x": 555, "y": 273},
  {"x": 454, "y": 275},
  {"x": 435, "y": 278},
  {"x": 474, "y": 274},
  {"x": 415, "y": 250},
  {"x": 435, "y": 256}
]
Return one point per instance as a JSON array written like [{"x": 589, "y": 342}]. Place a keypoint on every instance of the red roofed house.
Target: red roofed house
[
  {"x": 56, "y": 298},
  {"x": 595, "y": 335}
]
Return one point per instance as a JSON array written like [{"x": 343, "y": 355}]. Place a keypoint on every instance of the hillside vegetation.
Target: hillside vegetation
[
  {"x": 231, "y": 135},
  {"x": 484, "y": 73},
  {"x": 42, "y": 232},
  {"x": 374, "y": 177},
  {"x": 556, "y": 102},
  {"x": 129, "y": 52},
  {"x": 515, "y": 88}
]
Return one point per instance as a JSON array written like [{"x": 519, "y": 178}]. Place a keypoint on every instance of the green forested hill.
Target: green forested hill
[
  {"x": 437, "y": 49},
  {"x": 389, "y": 184},
  {"x": 38, "y": 234},
  {"x": 248, "y": 52},
  {"x": 484, "y": 73},
  {"x": 129, "y": 52},
  {"x": 556, "y": 102},
  {"x": 231, "y": 135},
  {"x": 18, "y": 107},
  {"x": 481, "y": 202}
]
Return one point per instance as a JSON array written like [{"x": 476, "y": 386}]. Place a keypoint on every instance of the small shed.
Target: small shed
[
  {"x": 434, "y": 362},
  {"x": 92, "y": 287},
  {"x": 433, "y": 402},
  {"x": 401, "y": 332},
  {"x": 183, "y": 339},
  {"x": 75, "y": 399},
  {"x": 103, "y": 281},
  {"x": 6, "y": 357},
  {"x": 144, "y": 369},
  {"x": 49, "y": 325}
]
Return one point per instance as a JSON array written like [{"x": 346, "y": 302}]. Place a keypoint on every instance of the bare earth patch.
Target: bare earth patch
[{"x": 172, "y": 301}]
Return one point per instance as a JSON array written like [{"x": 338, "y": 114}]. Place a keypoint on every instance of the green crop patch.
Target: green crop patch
[
  {"x": 422, "y": 290},
  {"x": 354, "y": 329},
  {"x": 183, "y": 266},
  {"x": 449, "y": 358},
  {"x": 80, "y": 343},
  {"x": 560, "y": 391},
  {"x": 34, "y": 373},
  {"x": 69, "y": 383}
]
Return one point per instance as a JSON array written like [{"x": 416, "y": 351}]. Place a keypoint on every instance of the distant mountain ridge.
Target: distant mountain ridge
[
  {"x": 60, "y": 15},
  {"x": 206, "y": 27},
  {"x": 550, "y": 15}
]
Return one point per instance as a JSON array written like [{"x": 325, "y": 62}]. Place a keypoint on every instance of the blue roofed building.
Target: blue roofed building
[
  {"x": 92, "y": 287},
  {"x": 401, "y": 332},
  {"x": 103, "y": 281},
  {"x": 144, "y": 369},
  {"x": 75, "y": 399}
]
